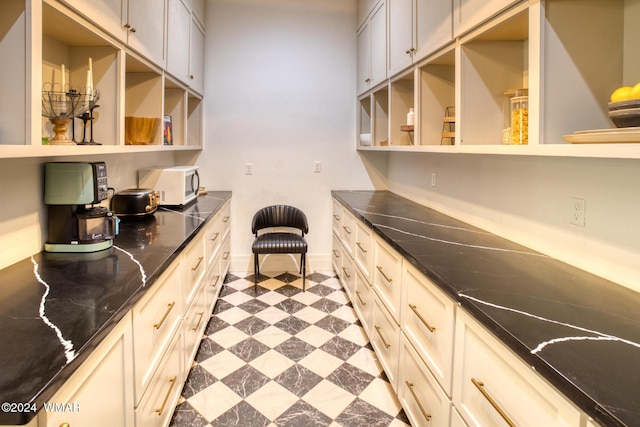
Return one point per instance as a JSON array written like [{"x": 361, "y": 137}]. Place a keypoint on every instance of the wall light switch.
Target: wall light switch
[
  {"x": 248, "y": 169},
  {"x": 317, "y": 166}
]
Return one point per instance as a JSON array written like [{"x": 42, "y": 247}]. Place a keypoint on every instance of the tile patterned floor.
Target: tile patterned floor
[{"x": 287, "y": 358}]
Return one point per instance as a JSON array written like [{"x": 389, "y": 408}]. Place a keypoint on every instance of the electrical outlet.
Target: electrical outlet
[
  {"x": 578, "y": 207},
  {"x": 317, "y": 166},
  {"x": 434, "y": 179},
  {"x": 248, "y": 169}
]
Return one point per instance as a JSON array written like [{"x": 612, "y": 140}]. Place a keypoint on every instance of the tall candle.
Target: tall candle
[
  {"x": 64, "y": 79},
  {"x": 63, "y": 106},
  {"x": 90, "y": 75}
]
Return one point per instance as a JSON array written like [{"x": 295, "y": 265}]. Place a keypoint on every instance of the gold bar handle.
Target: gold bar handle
[
  {"x": 426, "y": 415},
  {"x": 225, "y": 256},
  {"x": 213, "y": 239},
  {"x": 198, "y": 264},
  {"x": 388, "y": 279},
  {"x": 337, "y": 217},
  {"x": 159, "y": 324},
  {"x": 480, "y": 386},
  {"x": 225, "y": 219},
  {"x": 361, "y": 248},
  {"x": 346, "y": 273},
  {"x": 201, "y": 314},
  {"x": 414, "y": 308},
  {"x": 216, "y": 282},
  {"x": 160, "y": 410},
  {"x": 360, "y": 298},
  {"x": 386, "y": 344},
  {"x": 347, "y": 229},
  {"x": 336, "y": 254}
]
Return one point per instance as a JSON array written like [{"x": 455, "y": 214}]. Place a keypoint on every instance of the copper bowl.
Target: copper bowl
[{"x": 140, "y": 130}]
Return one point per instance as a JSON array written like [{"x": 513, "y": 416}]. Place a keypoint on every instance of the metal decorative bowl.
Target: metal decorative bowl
[{"x": 140, "y": 130}]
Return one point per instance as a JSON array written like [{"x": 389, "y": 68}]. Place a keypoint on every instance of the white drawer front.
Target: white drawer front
[
  {"x": 213, "y": 238},
  {"x": 364, "y": 249},
  {"x": 387, "y": 277},
  {"x": 193, "y": 325},
  {"x": 225, "y": 257},
  {"x": 491, "y": 384},
  {"x": 213, "y": 284},
  {"x": 155, "y": 319},
  {"x": 419, "y": 392},
  {"x": 159, "y": 401},
  {"x": 336, "y": 255},
  {"x": 195, "y": 267},
  {"x": 225, "y": 220},
  {"x": 348, "y": 276},
  {"x": 336, "y": 218},
  {"x": 363, "y": 302},
  {"x": 385, "y": 339},
  {"x": 348, "y": 232},
  {"x": 428, "y": 319}
]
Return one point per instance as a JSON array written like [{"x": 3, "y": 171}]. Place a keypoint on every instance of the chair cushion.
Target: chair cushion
[{"x": 279, "y": 243}]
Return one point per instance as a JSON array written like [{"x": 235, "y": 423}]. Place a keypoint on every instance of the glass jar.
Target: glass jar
[
  {"x": 508, "y": 109},
  {"x": 520, "y": 120}
]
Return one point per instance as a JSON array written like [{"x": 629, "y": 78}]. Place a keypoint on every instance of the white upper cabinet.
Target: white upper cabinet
[
  {"x": 400, "y": 35},
  {"x": 434, "y": 26},
  {"x": 139, "y": 23},
  {"x": 470, "y": 13},
  {"x": 178, "y": 28},
  {"x": 372, "y": 49},
  {"x": 196, "y": 57}
]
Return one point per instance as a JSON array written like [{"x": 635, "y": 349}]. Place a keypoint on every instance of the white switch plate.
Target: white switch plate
[
  {"x": 434, "y": 179},
  {"x": 248, "y": 169},
  {"x": 317, "y": 166}
]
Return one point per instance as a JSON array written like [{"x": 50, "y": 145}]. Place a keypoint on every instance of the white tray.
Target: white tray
[{"x": 600, "y": 136}]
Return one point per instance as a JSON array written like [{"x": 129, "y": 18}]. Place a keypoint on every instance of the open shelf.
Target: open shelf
[
  {"x": 402, "y": 94},
  {"x": 364, "y": 121},
  {"x": 436, "y": 94},
  {"x": 492, "y": 60}
]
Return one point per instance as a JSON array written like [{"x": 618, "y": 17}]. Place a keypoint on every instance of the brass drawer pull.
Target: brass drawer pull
[
  {"x": 360, "y": 298},
  {"x": 201, "y": 314},
  {"x": 414, "y": 308},
  {"x": 336, "y": 217},
  {"x": 198, "y": 264},
  {"x": 225, "y": 219},
  {"x": 346, "y": 229},
  {"x": 213, "y": 285},
  {"x": 361, "y": 248},
  {"x": 388, "y": 279},
  {"x": 336, "y": 254},
  {"x": 426, "y": 415},
  {"x": 346, "y": 273},
  {"x": 480, "y": 386},
  {"x": 386, "y": 344},
  {"x": 160, "y": 410},
  {"x": 225, "y": 256},
  {"x": 215, "y": 237},
  {"x": 159, "y": 324}
]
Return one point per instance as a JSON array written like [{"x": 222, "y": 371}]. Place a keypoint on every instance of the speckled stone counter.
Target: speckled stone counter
[
  {"x": 55, "y": 308},
  {"x": 579, "y": 331}
]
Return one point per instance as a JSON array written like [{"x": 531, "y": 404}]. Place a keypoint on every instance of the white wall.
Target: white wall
[
  {"x": 280, "y": 94},
  {"x": 527, "y": 199}
]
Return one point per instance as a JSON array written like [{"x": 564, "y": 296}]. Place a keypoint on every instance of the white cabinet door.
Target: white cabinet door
[
  {"x": 100, "y": 392},
  {"x": 428, "y": 319},
  {"x": 470, "y": 13},
  {"x": 378, "y": 40},
  {"x": 364, "y": 249},
  {"x": 196, "y": 57},
  {"x": 385, "y": 340},
  {"x": 400, "y": 41},
  {"x": 363, "y": 64},
  {"x": 364, "y": 6},
  {"x": 387, "y": 277},
  {"x": 492, "y": 385},
  {"x": 178, "y": 27},
  {"x": 111, "y": 15},
  {"x": 146, "y": 25},
  {"x": 434, "y": 26}
]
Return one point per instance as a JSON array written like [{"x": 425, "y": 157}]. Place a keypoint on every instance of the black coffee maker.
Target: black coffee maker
[{"x": 71, "y": 189}]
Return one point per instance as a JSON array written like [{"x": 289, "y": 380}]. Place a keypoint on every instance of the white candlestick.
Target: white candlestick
[
  {"x": 90, "y": 81},
  {"x": 63, "y": 107},
  {"x": 64, "y": 79}
]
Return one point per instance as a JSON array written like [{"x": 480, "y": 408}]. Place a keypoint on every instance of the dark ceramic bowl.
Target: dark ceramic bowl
[{"x": 625, "y": 118}]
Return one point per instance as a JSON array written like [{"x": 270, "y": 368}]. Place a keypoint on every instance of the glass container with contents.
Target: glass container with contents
[{"x": 516, "y": 117}]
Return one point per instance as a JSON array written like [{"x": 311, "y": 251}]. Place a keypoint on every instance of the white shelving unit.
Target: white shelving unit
[
  {"x": 569, "y": 55},
  {"x": 131, "y": 82}
]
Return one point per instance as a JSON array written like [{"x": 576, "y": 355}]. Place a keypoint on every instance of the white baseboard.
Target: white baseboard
[{"x": 282, "y": 262}]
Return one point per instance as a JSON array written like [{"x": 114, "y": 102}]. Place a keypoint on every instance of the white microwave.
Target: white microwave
[{"x": 176, "y": 186}]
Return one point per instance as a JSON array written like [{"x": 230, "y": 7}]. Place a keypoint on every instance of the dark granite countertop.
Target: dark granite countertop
[
  {"x": 56, "y": 308},
  {"x": 579, "y": 331}
]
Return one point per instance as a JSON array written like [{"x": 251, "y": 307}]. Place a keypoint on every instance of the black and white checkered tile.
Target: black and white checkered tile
[{"x": 287, "y": 358}]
